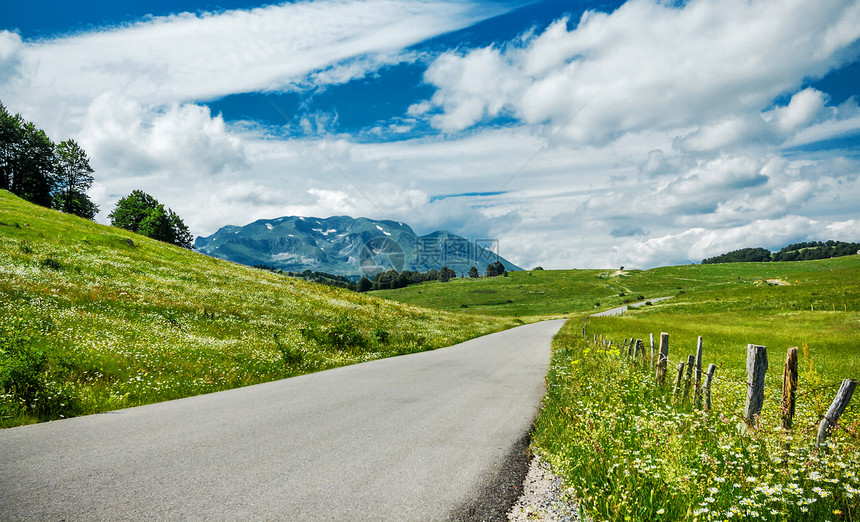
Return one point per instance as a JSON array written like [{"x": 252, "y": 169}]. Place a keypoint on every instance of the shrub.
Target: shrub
[
  {"x": 51, "y": 263},
  {"x": 341, "y": 335},
  {"x": 21, "y": 368},
  {"x": 382, "y": 336},
  {"x": 291, "y": 356}
]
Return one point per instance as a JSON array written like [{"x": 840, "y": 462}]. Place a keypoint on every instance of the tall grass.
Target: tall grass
[{"x": 631, "y": 452}]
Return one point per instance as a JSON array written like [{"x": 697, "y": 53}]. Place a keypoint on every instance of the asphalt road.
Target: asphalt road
[
  {"x": 430, "y": 436},
  {"x": 621, "y": 309}
]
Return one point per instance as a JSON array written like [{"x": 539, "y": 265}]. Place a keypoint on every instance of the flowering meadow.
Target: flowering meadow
[
  {"x": 96, "y": 318},
  {"x": 630, "y": 450}
]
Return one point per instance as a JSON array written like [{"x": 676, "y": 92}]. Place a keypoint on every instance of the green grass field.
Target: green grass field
[
  {"x": 559, "y": 292},
  {"x": 96, "y": 318}
]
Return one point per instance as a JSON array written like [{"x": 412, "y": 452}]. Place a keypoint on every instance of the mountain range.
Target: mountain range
[{"x": 347, "y": 246}]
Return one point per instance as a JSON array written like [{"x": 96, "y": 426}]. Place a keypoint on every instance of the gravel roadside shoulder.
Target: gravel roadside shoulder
[{"x": 544, "y": 497}]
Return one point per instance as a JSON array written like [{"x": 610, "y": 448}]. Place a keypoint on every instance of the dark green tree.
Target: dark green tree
[
  {"x": 496, "y": 269},
  {"x": 473, "y": 272},
  {"x": 142, "y": 213},
  {"x": 10, "y": 145},
  {"x": 74, "y": 177},
  {"x": 181, "y": 235},
  {"x": 744, "y": 255},
  {"x": 364, "y": 285},
  {"x": 33, "y": 166},
  {"x": 446, "y": 274}
]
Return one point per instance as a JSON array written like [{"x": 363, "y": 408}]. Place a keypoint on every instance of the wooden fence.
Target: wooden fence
[{"x": 690, "y": 388}]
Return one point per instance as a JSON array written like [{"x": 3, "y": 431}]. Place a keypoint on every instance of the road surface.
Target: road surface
[
  {"x": 420, "y": 437},
  {"x": 621, "y": 309}
]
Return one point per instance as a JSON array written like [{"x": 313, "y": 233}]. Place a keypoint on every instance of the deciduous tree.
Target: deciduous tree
[
  {"x": 74, "y": 177},
  {"x": 142, "y": 213}
]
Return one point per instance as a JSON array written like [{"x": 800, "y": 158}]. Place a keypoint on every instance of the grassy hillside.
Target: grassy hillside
[
  {"x": 632, "y": 451},
  {"x": 553, "y": 292},
  {"x": 96, "y": 318},
  {"x": 811, "y": 303}
]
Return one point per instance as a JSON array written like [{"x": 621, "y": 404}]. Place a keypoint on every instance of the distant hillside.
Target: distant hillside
[
  {"x": 806, "y": 251},
  {"x": 95, "y": 318},
  {"x": 346, "y": 246}
]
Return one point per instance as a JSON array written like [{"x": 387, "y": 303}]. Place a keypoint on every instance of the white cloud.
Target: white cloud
[
  {"x": 699, "y": 243},
  {"x": 191, "y": 57},
  {"x": 804, "y": 107},
  {"x": 333, "y": 201},
  {"x": 650, "y": 65},
  {"x": 10, "y": 58},
  {"x": 122, "y": 137}
]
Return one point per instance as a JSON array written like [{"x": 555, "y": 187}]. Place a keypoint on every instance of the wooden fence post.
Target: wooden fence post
[
  {"x": 697, "y": 402},
  {"x": 622, "y": 347},
  {"x": 840, "y": 402},
  {"x": 663, "y": 360},
  {"x": 691, "y": 362},
  {"x": 756, "y": 368},
  {"x": 789, "y": 387},
  {"x": 640, "y": 351},
  {"x": 707, "y": 386},
  {"x": 630, "y": 348},
  {"x": 651, "y": 365},
  {"x": 679, "y": 378}
]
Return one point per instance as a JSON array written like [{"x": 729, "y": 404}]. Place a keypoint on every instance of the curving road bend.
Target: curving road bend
[
  {"x": 427, "y": 436},
  {"x": 621, "y": 309}
]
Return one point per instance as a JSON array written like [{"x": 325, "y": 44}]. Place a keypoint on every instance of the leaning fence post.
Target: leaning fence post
[
  {"x": 789, "y": 387},
  {"x": 840, "y": 402},
  {"x": 622, "y": 347},
  {"x": 640, "y": 351},
  {"x": 756, "y": 368},
  {"x": 651, "y": 365},
  {"x": 707, "y": 386},
  {"x": 630, "y": 347},
  {"x": 663, "y": 361},
  {"x": 698, "y": 394},
  {"x": 678, "y": 379},
  {"x": 691, "y": 361}
]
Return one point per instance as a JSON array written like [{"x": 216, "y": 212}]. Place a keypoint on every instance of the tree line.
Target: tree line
[
  {"x": 323, "y": 278},
  {"x": 58, "y": 176},
  {"x": 392, "y": 279},
  {"x": 34, "y": 168},
  {"x": 804, "y": 251}
]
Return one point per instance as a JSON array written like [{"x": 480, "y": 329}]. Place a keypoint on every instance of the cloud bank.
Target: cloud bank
[{"x": 651, "y": 135}]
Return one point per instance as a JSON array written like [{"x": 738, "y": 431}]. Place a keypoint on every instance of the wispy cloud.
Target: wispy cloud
[{"x": 195, "y": 57}]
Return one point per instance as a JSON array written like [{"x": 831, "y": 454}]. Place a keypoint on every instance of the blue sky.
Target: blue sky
[{"x": 580, "y": 134}]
